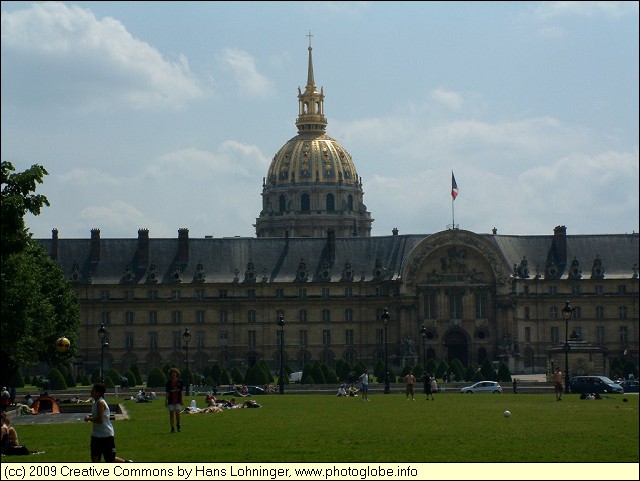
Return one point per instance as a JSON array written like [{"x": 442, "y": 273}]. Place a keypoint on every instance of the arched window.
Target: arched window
[
  {"x": 305, "y": 203},
  {"x": 331, "y": 203},
  {"x": 350, "y": 202},
  {"x": 282, "y": 203}
]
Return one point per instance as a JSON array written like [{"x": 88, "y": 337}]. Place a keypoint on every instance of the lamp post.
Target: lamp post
[
  {"x": 102, "y": 335},
  {"x": 281, "y": 348},
  {"x": 423, "y": 333},
  {"x": 567, "y": 313},
  {"x": 186, "y": 336},
  {"x": 385, "y": 321}
]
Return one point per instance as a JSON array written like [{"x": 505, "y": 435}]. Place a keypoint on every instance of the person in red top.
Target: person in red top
[{"x": 173, "y": 401}]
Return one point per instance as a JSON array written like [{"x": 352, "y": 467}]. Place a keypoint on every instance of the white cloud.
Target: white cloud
[
  {"x": 451, "y": 99},
  {"x": 243, "y": 66},
  {"x": 586, "y": 9},
  {"x": 77, "y": 60}
]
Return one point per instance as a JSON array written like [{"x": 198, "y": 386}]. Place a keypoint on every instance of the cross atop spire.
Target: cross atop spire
[{"x": 309, "y": 35}]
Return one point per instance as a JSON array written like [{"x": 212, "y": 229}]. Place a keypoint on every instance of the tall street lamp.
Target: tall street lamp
[
  {"x": 102, "y": 335},
  {"x": 385, "y": 321},
  {"x": 567, "y": 313},
  {"x": 423, "y": 333},
  {"x": 186, "y": 336},
  {"x": 281, "y": 348}
]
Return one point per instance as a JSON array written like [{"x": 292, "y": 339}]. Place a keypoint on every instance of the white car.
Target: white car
[{"x": 491, "y": 387}]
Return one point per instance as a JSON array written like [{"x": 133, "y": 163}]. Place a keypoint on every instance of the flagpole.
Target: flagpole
[{"x": 453, "y": 215}]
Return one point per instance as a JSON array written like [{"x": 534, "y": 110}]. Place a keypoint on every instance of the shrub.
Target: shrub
[
  {"x": 56, "y": 380},
  {"x": 136, "y": 372},
  {"x": 488, "y": 371},
  {"x": 156, "y": 378},
  {"x": 70, "y": 380},
  {"x": 17, "y": 380},
  {"x": 504, "y": 375},
  {"x": 237, "y": 376},
  {"x": 131, "y": 377}
]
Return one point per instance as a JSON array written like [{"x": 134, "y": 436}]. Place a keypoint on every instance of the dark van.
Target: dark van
[{"x": 594, "y": 384}]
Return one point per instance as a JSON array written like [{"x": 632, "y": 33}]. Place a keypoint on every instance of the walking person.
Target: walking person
[
  {"x": 173, "y": 400},
  {"x": 410, "y": 380},
  {"x": 427, "y": 385},
  {"x": 364, "y": 385},
  {"x": 102, "y": 433},
  {"x": 434, "y": 386},
  {"x": 557, "y": 383}
]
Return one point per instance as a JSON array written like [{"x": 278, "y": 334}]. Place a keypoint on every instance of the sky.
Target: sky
[{"x": 166, "y": 115}]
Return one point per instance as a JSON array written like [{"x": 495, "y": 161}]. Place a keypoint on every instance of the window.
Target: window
[
  {"x": 599, "y": 312},
  {"x": 200, "y": 339},
  {"x": 282, "y": 203},
  {"x": 223, "y": 338},
  {"x": 553, "y": 312},
  {"x": 177, "y": 339},
  {"x": 526, "y": 290},
  {"x": 624, "y": 334},
  {"x": 577, "y": 312},
  {"x": 128, "y": 295},
  {"x": 251, "y": 293},
  {"x": 481, "y": 304},
  {"x": 222, "y": 293},
  {"x": 105, "y": 318},
  {"x": 455, "y": 305},
  {"x": 251, "y": 316},
  {"x": 348, "y": 292},
  {"x": 280, "y": 338},
  {"x": 251, "y": 339},
  {"x": 128, "y": 340},
  {"x": 599, "y": 290},
  {"x": 302, "y": 315},
  {"x": 622, "y": 289},
  {"x": 200, "y": 294},
  {"x": 600, "y": 338},
  {"x": 326, "y": 315},
  {"x": 350, "y": 202},
  {"x": 176, "y": 317},
  {"x": 302, "y": 293},
  {"x": 326, "y": 338},
  {"x": 331, "y": 203},
  {"x": 527, "y": 334},
  {"x": 153, "y": 317},
  {"x": 527, "y": 312},
  {"x": 128, "y": 318},
  {"x": 279, "y": 293},
  {"x": 553, "y": 290},
  {"x": 622, "y": 312},
  {"x": 379, "y": 337},
  {"x": 348, "y": 315},
  {"x": 326, "y": 293},
  {"x": 175, "y": 294},
  {"x": 379, "y": 291},
  {"x": 224, "y": 316},
  {"x": 303, "y": 338},
  {"x": 104, "y": 295},
  {"x": 576, "y": 290},
  {"x": 153, "y": 340},
  {"x": 152, "y": 294},
  {"x": 430, "y": 306},
  {"x": 305, "y": 203},
  {"x": 555, "y": 335},
  {"x": 200, "y": 317},
  {"x": 348, "y": 337}
]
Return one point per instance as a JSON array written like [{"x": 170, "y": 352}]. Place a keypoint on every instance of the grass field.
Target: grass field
[{"x": 324, "y": 428}]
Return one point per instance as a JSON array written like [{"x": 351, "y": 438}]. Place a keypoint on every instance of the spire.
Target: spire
[
  {"x": 310, "y": 81},
  {"x": 311, "y": 117}
]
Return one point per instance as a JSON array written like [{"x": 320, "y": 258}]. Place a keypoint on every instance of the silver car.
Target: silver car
[{"x": 490, "y": 387}]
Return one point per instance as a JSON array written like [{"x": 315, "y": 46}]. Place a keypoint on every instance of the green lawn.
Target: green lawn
[{"x": 388, "y": 429}]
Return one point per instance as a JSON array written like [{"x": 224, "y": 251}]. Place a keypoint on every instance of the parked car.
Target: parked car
[
  {"x": 594, "y": 384},
  {"x": 252, "y": 391},
  {"x": 491, "y": 387},
  {"x": 629, "y": 386}
]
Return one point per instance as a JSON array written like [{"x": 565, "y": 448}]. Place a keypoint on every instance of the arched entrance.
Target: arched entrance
[{"x": 456, "y": 346}]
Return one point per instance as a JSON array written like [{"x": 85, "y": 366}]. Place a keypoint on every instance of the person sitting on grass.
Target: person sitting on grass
[{"x": 10, "y": 445}]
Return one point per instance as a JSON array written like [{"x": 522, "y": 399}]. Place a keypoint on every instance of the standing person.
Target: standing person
[
  {"x": 410, "y": 380},
  {"x": 557, "y": 383},
  {"x": 515, "y": 386},
  {"x": 364, "y": 385},
  {"x": 102, "y": 433},
  {"x": 434, "y": 386},
  {"x": 173, "y": 400},
  {"x": 427, "y": 385}
]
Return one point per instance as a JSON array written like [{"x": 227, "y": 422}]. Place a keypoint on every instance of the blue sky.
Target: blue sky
[{"x": 164, "y": 115}]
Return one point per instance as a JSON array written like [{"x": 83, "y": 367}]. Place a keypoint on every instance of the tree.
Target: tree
[{"x": 37, "y": 304}]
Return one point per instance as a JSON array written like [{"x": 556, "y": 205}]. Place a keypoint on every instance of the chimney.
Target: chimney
[
  {"x": 560, "y": 246},
  {"x": 394, "y": 231},
  {"x": 54, "y": 244},
  {"x": 183, "y": 246},
  {"x": 94, "y": 255},
  {"x": 143, "y": 248}
]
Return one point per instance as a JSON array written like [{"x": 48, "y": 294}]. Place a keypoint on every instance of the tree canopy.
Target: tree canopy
[{"x": 37, "y": 305}]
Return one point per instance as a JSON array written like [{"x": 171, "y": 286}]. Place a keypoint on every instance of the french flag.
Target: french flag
[{"x": 454, "y": 186}]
